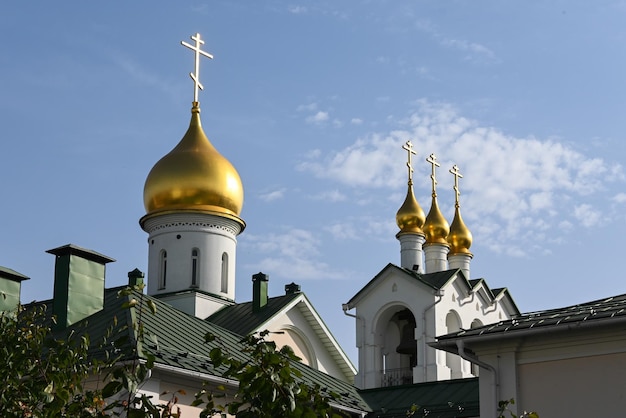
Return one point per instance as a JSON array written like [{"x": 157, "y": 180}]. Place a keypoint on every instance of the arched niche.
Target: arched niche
[
  {"x": 394, "y": 330},
  {"x": 453, "y": 362}
]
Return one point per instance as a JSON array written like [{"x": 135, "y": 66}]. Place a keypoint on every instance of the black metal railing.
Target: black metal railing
[{"x": 397, "y": 377}]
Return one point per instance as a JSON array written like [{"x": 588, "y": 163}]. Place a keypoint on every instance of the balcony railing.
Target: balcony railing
[{"x": 396, "y": 377}]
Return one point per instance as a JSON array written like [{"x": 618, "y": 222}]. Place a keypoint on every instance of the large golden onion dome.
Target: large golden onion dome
[
  {"x": 194, "y": 176},
  {"x": 460, "y": 237},
  {"x": 436, "y": 226},
  {"x": 410, "y": 217}
]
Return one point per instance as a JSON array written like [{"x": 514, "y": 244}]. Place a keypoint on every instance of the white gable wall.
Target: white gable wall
[
  {"x": 294, "y": 329},
  {"x": 379, "y": 309}
]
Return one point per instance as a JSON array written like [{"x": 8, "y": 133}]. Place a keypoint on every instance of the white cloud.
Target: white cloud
[
  {"x": 474, "y": 51},
  {"x": 318, "y": 118},
  {"x": 293, "y": 255},
  {"x": 297, "y": 9},
  {"x": 512, "y": 187},
  {"x": 356, "y": 121},
  {"x": 310, "y": 107},
  {"x": 331, "y": 196},
  {"x": 620, "y": 198},
  {"x": 382, "y": 60},
  {"x": 472, "y": 48},
  {"x": 273, "y": 195},
  {"x": 587, "y": 215}
]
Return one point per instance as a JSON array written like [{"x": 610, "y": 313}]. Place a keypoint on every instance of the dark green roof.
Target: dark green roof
[
  {"x": 443, "y": 399},
  {"x": 242, "y": 319},
  {"x": 177, "y": 340},
  {"x": 12, "y": 274},
  {"x": 603, "y": 311}
]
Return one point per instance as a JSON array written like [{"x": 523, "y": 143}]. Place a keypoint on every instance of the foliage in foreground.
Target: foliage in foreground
[
  {"x": 269, "y": 384},
  {"x": 44, "y": 376},
  {"x": 503, "y": 406},
  {"x": 53, "y": 374}
]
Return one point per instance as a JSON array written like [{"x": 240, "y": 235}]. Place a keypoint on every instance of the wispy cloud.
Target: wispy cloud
[
  {"x": 620, "y": 198},
  {"x": 273, "y": 195},
  {"x": 317, "y": 118},
  {"x": 293, "y": 254},
  {"x": 309, "y": 107},
  {"x": 297, "y": 9},
  {"x": 473, "y": 51},
  {"x": 330, "y": 196},
  {"x": 512, "y": 188},
  {"x": 356, "y": 121},
  {"x": 587, "y": 215},
  {"x": 141, "y": 74}
]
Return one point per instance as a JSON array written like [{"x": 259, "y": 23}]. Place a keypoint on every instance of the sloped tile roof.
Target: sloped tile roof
[
  {"x": 598, "y": 311},
  {"x": 442, "y": 399},
  {"x": 177, "y": 340},
  {"x": 242, "y": 319}
]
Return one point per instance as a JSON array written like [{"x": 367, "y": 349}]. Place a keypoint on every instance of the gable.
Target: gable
[
  {"x": 404, "y": 280},
  {"x": 292, "y": 321}
]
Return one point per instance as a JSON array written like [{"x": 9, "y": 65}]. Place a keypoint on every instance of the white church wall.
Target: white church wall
[{"x": 299, "y": 335}]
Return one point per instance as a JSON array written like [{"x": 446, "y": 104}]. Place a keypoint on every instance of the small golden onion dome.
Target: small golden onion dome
[
  {"x": 194, "y": 176},
  {"x": 436, "y": 226},
  {"x": 460, "y": 237},
  {"x": 410, "y": 217}
]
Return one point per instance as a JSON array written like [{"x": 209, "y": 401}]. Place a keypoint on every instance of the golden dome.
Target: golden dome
[
  {"x": 436, "y": 226},
  {"x": 460, "y": 238},
  {"x": 410, "y": 216},
  {"x": 194, "y": 176}
]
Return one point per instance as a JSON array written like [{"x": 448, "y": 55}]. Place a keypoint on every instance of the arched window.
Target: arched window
[
  {"x": 476, "y": 323},
  {"x": 224, "y": 273},
  {"x": 163, "y": 272},
  {"x": 195, "y": 257},
  {"x": 454, "y": 362}
]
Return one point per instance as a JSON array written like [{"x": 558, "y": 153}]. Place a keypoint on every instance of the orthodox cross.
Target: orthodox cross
[
  {"x": 457, "y": 175},
  {"x": 409, "y": 148},
  {"x": 432, "y": 159},
  {"x": 195, "y": 76}
]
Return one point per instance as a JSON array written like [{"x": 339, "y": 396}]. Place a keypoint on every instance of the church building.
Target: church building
[{"x": 412, "y": 319}]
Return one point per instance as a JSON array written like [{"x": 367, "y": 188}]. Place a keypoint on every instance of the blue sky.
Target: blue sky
[{"x": 311, "y": 102}]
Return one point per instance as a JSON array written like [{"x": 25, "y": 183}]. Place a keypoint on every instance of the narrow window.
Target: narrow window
[
  {"x": 163, "y": 275},
  {"x": 224, "y": 273},
  {"x": 194, "y": 267}
]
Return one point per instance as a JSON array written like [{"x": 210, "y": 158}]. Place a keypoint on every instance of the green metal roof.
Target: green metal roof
[
  {"x": 242, "y": 319},
  {"x": 442, "y": 399},
  {"x": 177, "y": 340},
  {"x": 608, "y": 310},
  {"x": 12, "y": 274}
]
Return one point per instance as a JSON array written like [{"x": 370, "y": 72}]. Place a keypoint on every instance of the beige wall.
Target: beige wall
[{"x": 592, "y": 386}]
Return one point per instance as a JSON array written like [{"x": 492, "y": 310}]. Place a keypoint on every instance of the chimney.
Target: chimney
[
  {"x": 259, "y": 291},
  {"x": 135, "y": 278},
  {"x": 78, "y": 283},
  {"x": 292, "y": 288},
  {"x": 10, "y": 287}
]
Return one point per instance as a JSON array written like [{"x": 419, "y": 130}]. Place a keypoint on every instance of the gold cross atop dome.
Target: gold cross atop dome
[
  {"x": 432, "y": 159},
  {"x": 195, "y": 76},
  {"x": 408, "y": 146},
  {"x": 457, "y": 175}
]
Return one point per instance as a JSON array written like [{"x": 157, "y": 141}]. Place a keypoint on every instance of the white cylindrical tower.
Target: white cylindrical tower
[
  {"x": 460, "y": 237},
  {"x": 410, "y": 219},
  {"x": 436, "y": 228},
  {"x": 193, "y": 197}
]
